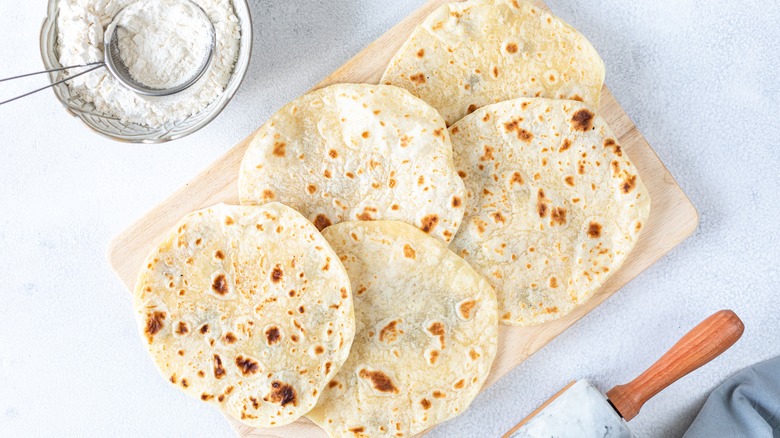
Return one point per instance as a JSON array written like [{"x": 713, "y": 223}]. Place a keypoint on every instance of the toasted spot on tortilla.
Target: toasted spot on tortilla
[
  {"x": 582, "y": 120},
  {"x": 379, "y": 381}
]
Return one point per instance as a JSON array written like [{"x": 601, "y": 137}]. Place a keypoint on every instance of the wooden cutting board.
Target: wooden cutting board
[{"x": 672, "y": 219}]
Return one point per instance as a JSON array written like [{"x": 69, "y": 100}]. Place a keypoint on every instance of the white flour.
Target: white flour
[
  {"x": 163, "y": 42},
  {"x": 80, "y": 40}
]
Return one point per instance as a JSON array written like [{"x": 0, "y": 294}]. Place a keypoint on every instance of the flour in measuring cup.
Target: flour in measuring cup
[
  {"x": 163, "y": 42},
  {"x": 81, "y": 25}
]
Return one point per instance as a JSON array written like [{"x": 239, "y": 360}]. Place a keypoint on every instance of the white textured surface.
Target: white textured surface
[{"x": 698, "y": 77}]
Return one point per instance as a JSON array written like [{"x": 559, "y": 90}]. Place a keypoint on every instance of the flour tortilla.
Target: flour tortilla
[
  {"x": 426, "y": 337},
  {"x": 470, "y": 54},
  {"x": 247, "y": 309},
  {"x": 357, "y": 152},
  {"x": 554, "y": 204}
]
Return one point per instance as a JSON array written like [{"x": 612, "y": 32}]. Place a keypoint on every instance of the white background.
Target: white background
[{"x": 699, "y": 78}]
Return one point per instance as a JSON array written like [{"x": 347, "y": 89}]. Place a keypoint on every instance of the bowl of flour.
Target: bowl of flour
[{"x": 161, "y": 43}]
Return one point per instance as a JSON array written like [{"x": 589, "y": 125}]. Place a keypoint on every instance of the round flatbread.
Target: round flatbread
[
  {"x": 357, "y": 152},
  {"x": 427, "y": 332},
  {"x": 474, "y": 53},
  {"x": 247, "y": 309},
  {"x": 554, "y": 204}
]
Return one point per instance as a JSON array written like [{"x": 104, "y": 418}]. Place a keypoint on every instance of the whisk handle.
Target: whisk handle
[
  {"x": 95, "y": 66},
  {"x": 49, "y": 71}
]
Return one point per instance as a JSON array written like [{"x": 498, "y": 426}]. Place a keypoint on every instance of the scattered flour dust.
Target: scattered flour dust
[{"x": 81, "y": 24}]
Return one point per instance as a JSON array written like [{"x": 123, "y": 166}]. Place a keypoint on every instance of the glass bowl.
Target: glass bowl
[{"x": 114, "y": 128}]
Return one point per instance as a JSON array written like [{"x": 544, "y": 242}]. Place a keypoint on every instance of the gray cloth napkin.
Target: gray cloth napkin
[{"x": 746, "y": 405}]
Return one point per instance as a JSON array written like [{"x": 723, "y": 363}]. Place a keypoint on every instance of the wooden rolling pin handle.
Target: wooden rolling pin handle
[{"x": 702, "y": 344}]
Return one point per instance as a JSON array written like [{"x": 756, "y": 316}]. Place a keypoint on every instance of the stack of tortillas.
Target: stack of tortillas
[{"x": 386, "y": 230}]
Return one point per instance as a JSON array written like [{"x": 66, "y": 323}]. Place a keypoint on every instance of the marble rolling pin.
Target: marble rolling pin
[{"x": 580, "y": 410}]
